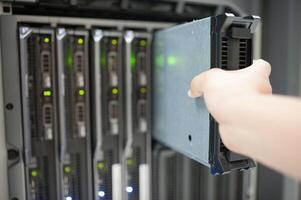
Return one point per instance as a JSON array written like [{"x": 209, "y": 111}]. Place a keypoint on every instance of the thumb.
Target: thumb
[{"x": 261, "y": 67}]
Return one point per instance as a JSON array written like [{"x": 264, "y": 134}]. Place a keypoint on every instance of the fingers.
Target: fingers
[{"x": 198, "y": 83}]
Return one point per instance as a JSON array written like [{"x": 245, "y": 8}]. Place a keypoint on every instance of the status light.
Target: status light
[
  {"x": 81, "y": 92},
  {"x": 115, "y": 91},
  {"x": 129, "y": 189},
  {"x": 101, "y": 165},
  {"x": 34, "y": 173},
  {"x": 46, "y": 40},
  {"x": 114, "y": 42},
  {"x": 47, "y": 93},
  {"x": 129, "y": 162},
  {"x": 80, "y": 41},
  {"x": 67, "y": 169},
  {"x": 101, "y": 194},
  {"x": 68, "y": 198},
  {"x": 142, "y": 43},
  {"x": 142, "y": 90}
]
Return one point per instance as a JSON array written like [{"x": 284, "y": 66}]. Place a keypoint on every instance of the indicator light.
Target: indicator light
[
  {"x": 46, "y": 40},
  {"x": 68, "y": 198},
  {"x": 159, "y": 60},
  {"x": 34, "y": 173},
  {"x": 142, "y": 43},
  {"x": 115, "y": 91},
  {"x": 80, "y": 41},
  {"x": 47, "y": 93},
  {"x": 81, "y": 92},
  {"x": 142, "y": 90},
  {"x": 101, "y": 194},
  {"x": 129, "y": 162},
  {"x": 69, "y": 60},
  {"x": 114, "y": 42},
  {"x": 67, "y": 169},
  {"x": 101, "y": 165},
  {"x": 171, "y": 60},
  {"x": 133, "y": 61},
  {"x": 129, "y": 189}
]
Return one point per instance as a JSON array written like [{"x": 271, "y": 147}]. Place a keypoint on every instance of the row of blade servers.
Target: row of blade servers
[{"x": 78, "y": 119}]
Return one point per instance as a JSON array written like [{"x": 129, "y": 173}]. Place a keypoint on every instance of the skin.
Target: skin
[{"x": 253, "y": 121}]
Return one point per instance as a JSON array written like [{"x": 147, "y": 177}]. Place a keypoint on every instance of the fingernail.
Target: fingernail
[{"x": 189, "y": 94}]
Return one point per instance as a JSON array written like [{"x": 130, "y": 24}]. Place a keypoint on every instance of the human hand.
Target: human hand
[{"x": 223, "y": 91}]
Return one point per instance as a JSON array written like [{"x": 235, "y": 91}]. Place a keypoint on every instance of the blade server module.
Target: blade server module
[
  {"x": 39, "y": 111},
  {"x": 101, "y": 95},
  {"x": 108, "y": 101},
  {"x": 137, "y": 148}
]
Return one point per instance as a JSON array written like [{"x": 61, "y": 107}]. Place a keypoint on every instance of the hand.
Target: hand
[{"x": 223, "y": 90}]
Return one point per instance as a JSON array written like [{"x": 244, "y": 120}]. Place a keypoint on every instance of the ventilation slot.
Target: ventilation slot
[
  {"x": 79, "y": 62},
  {"x": 80, "y": 112},
  {"x": 47, "y": 114},
  {"x": 243, "y": 53},
  {"x": 45, "y": 61},
  {"x": 224, "y": 53}
]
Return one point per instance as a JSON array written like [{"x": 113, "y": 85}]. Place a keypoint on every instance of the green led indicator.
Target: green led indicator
[
  {"x": 46, "y": 40},
  {"x": 47, "y": 93},
  {"x": 69, "y": 60},
  {"x": 67, "y": 169},
  {"x": 34, "y": 173},
  {"x": 81, "y": 92},
  {"x": 129, "y": 162},
  {"x": 159, "y": 60},
  {"x": 103, "y": 60},
  {"x": 142, "y": 90},
  {"x": 133, "y": 61},
  {"x": 114, "y": 42},
  {"x": 115, "y": 91},
  {"x": 80, "y": 41},
  {"x": 142, "y": 43},
  {"x": 171, "y": 60},
  {"x": 100, "y": 165}
]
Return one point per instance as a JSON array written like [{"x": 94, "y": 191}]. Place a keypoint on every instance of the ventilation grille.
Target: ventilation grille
[
  {"x": 79, "y": 62},
  {"x": 243, "y": 53},
  {"x": 32, "y": 86},
  {"x": 224, "y": 53},
  {"x": 47, "y": 113},
  {"x": 80, "y": 112},
  {"x": 45, "y": 61},
  {"x": 75, "y": 177},
  {"x": 108, "y": 177}
]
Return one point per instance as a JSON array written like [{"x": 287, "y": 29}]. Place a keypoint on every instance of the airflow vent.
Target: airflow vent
[
  {"x": 243, "y": 53},
  {"x": 80, "y": 112},
  {"x": 79, "y": 62},
  {"x": 224, "y": 53},
  {"x": 47, "y": 110},
  {"x": 45, "y": 61}
]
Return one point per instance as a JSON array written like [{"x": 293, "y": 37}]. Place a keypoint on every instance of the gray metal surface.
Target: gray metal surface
[
  {"x": 3, "y": 149},
  {"x": 180, "y": 122},
  {"x": 13, "y": 120}
]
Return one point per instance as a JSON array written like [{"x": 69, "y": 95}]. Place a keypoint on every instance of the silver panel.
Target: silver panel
[{"x": 176, "y": 116}]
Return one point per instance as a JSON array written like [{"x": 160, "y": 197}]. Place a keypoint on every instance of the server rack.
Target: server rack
[{"x": 10, "y": 65}]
